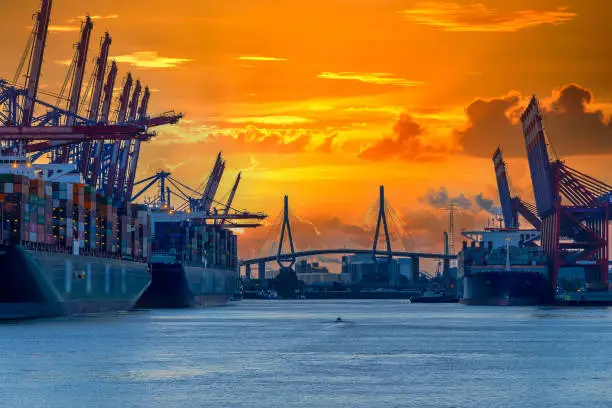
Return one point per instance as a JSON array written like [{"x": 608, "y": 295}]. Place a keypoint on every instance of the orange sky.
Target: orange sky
[{"x": 325, "y": 100}]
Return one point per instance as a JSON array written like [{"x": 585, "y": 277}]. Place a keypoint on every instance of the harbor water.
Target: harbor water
[{"x": 293, "y": 354}]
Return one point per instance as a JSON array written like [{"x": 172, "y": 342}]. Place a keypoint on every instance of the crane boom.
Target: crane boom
[
  {"x": 94, "y": 106},
  {"x": 213, "y": 183},
  {"x": 77, "y": 80},
  {"x": 127, "y": 145},
  {"x": 228, "y": 205},
  {"x": 99, "y": 147},
  {"x": 508, "y": 210},
  {"x": 142, "y": 113},
  {"x": 33, "y": 76},
  {"x": 123, "y": 106}
]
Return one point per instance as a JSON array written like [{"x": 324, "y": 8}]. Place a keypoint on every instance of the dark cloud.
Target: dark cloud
[
  {"x": 486, "y": 204},
  {"x": 405, "y": 144},
  {"x": 573, "y": 127},
  {"x": 440, "y": 199}
]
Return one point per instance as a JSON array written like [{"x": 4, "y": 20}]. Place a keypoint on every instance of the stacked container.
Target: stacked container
[
  {"x": 126, "y": 229},
  {"x": 14, "y": 207},
  {"x": 91, "y": 218},
  {"x": 36, "y": 213},
  {"x": 63, "y": 212},
  {"x": 78, "y": 200},
  {"x": 141, "y": 218},
  {"x": 106, "y": 218},
  {"x": 56, "y": 214}
]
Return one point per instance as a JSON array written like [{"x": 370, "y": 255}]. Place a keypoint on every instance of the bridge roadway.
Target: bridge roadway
[{"x": 343, "y": 251}]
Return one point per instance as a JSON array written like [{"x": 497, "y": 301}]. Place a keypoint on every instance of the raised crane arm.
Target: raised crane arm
[
  {"x": 142, "y": 113},
  {"x": 231, "y": 198},
  {"x": 99, "y": 148},
  {"x": 77, "y": 80},
  {"x": 123, "y": 106},
  {"x": 94, "y": 106},
  {"x": 212, "y": 185},
  {"x": 127, "y": 145},
  {"x": 508, "y": 209},
  {"x": 42, "y": 25}
]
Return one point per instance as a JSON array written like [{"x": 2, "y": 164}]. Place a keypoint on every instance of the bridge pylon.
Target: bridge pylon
[
  {"x": 382, "y": 219},
  {"x": 286, "y": 227}
]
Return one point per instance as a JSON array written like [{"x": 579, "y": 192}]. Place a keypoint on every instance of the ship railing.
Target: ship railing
[{"x": 58, "y": 249}]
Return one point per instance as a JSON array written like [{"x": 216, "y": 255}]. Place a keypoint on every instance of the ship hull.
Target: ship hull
[
  {"x": 46, "y": 284},
  {"x": 176, "y": 285},
  {"x": 506, "y": 289}
]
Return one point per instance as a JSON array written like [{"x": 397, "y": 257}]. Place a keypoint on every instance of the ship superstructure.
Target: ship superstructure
[{"x": 503, "y": 266}]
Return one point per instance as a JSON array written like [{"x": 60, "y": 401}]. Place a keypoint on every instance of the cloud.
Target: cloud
[
  {"x": 380, "y": 78},
  {"x": 259, "y": 58},
  {"x": 440, "y": 199},
  {"x": 327, "y": 145},
  {"x": 405, "y": 144},
  {"x": 573, "y": 126},
  {"x": 478, "y": 17},
  {"x": 63, "y": 62},
  {"x": 150, "y": 59},
  {"x": 271, "y": 120},
  {"x": 100, "y": 17},
  {"x": 55, "y": 28},
  {"x": 201, "y": 139},
  {"x": 486, "y": 204},
  {"x": 94, "y": 17}
]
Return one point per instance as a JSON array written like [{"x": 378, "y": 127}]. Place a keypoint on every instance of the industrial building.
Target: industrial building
[
  {"x": 364, "y": 269},
  {"x": 303, "y": 266}
]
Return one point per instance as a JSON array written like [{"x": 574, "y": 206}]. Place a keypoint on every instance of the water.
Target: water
[{"x": 292, "y": 354}]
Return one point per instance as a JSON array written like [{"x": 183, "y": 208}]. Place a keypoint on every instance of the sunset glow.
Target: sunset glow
[{"x": 326, "y": 100}]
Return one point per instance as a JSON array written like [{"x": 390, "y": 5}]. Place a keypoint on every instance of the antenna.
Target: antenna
[
  {"x": 452, "y": 209},
  {"x": 451, "y": 219}
]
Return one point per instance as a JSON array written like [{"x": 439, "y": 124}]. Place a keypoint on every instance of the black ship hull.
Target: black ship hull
[
  {"x": 176, "y": 285},
  {"x": 46, "y": 284},
  {"x": 506, "y": 289}
]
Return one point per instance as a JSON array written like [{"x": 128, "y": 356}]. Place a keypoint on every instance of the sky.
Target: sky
[{"x": 326, "y": 100}]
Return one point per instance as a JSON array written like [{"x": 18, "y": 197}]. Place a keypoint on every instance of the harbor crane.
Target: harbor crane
[
  {"x": 222, "y": 214},
  {"x": 512, "y": 206},
  {"x": 105, "y": 151}
]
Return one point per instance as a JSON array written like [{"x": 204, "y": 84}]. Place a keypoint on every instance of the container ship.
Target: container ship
[
  {"x": 70, "y": 241},
  {"x": 501, "y": 266},
  {"x": 194, "y": 260},
  {"x": 192, "y": 264},
  {"x": 65, "y": 249}
]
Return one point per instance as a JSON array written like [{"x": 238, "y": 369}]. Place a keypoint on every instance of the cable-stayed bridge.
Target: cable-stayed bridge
[{"x": 385, "y": 228}]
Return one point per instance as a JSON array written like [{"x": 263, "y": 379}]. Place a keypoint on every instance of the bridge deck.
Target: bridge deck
[{"x": 347, "y": 251}]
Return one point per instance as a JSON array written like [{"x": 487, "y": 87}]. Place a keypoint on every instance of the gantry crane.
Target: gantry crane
[
  {"x": 63, "y": 132},
  {"x": 228, "y": 217}
]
